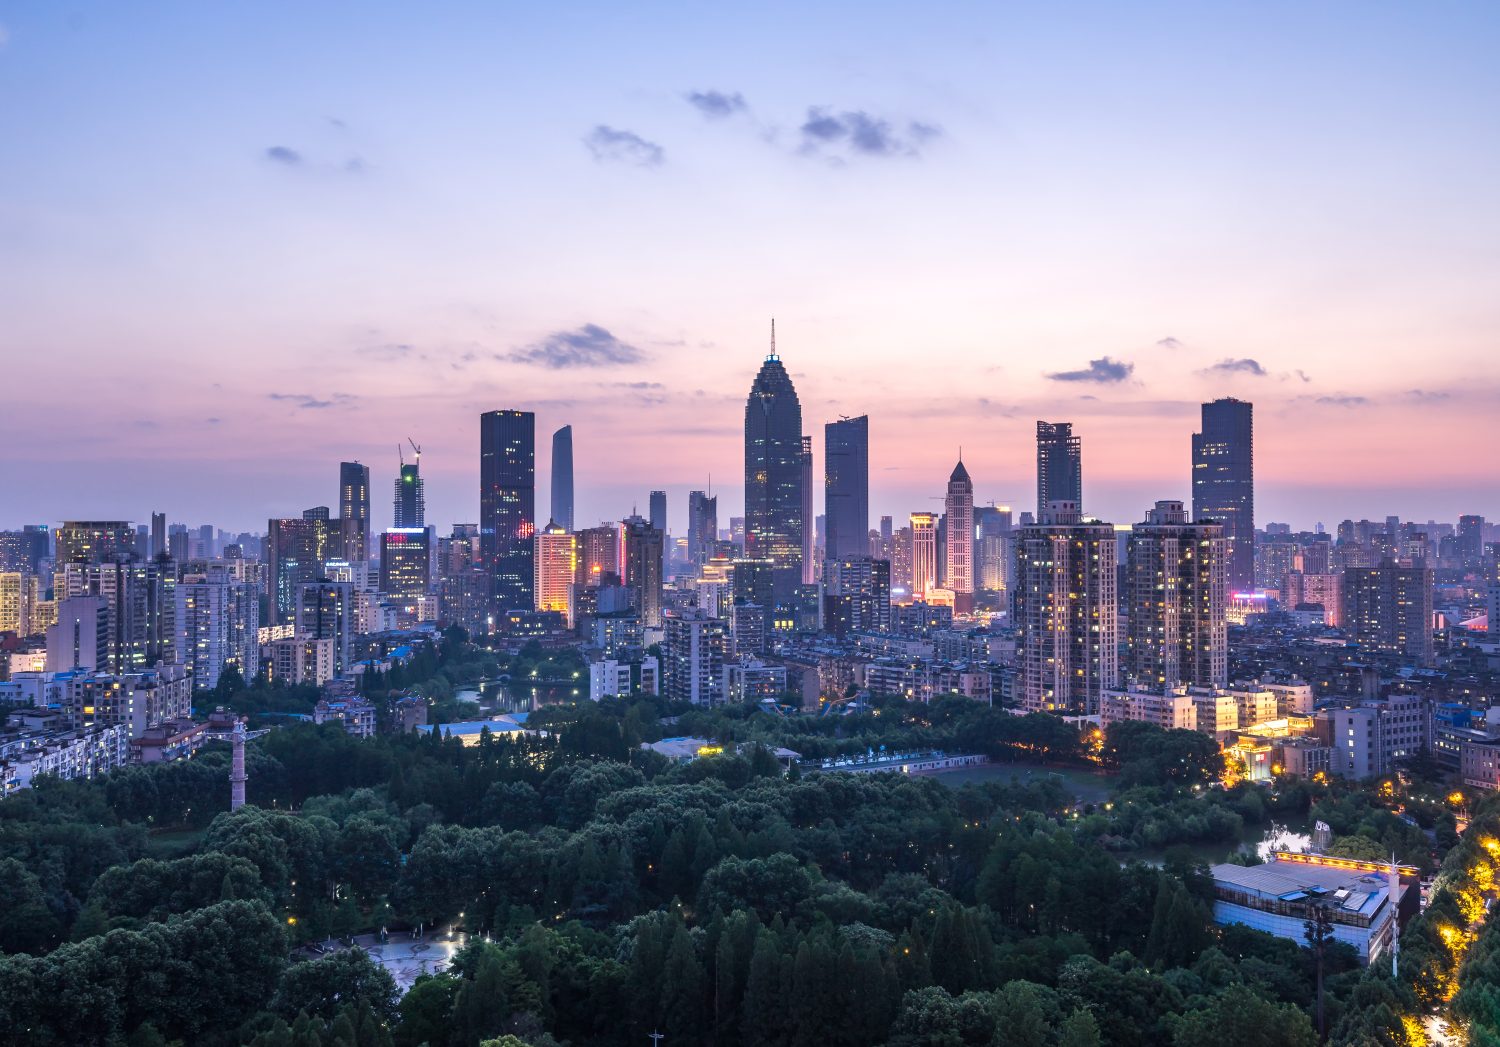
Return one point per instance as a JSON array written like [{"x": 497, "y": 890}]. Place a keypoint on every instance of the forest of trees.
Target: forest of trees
[{"x": 609, "y": 894}]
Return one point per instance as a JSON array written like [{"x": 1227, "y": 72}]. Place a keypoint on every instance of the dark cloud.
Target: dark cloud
[
  {"x": 1169, "y": 343},
  {"x": 1103, "y": 370},
  {"x": 284, "y": 155},
  {"x": 308, "y": 402},
  {"x": 588, "y": 346},
  {"x": 623, "y": 147},
  {"x": 1302, "y": 375},
  {"x": 862, "y": 133},
  {"x": 1343, "y": 401},
  {"x": 716, "y": 104},
  {"x": 1244, "y": 365}
]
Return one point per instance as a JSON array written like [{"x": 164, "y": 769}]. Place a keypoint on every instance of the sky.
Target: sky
[{"x": 241, "y": 243}]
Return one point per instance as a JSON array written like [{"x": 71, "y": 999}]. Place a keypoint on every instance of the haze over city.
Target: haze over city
[{"x": 251, "y": 242}]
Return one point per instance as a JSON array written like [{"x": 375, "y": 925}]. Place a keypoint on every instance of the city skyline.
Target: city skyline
[{"x": 1056, "y": 221}]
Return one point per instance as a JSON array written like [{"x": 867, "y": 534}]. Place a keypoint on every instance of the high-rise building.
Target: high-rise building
[
  {"x": 562, "y": 478},
  {"x": 1059, "y": 465},
  {"x": 354, "y": 511},
  {"x": 846, "y": 486},
  {"x": 658, "y": 511},
  {"x": 1224, "y": 482},
  {"x": 809, "y": 531},
  {"x": 703, "y": 527},
  {"x": 774, "y": 472},
  {"x": 15, "y": 614},
  {"x": 1066, "y": 612},
  {"x": 902, "y": 590},
  {"x": 79, "y": 638},
  {"x": 406, "y": 564},
  {"x": 326, "y": 611},
  {"x": 923, "y": 554},
  {"x": 1389, "y": 608},
  {"x": 643, "y": 554},
  {"x": 507, "y": 507},
  {"x": 24, "y": 550},
  {"x": 857, "y": 597},
  {"x": 410, "y": 508},
  {"x": 139, "y": 609},
  {"x": 158, "y": 544},
  {"x": 296, "y": 550},
  {"x": 556, "y": 570},
  {"x": 958, "y": 507},
  {"x": 1471, "y": 542},
  {"x": 217, "y": 621},
  {"x": 599, "y": 556},
  {"x": 94, "y": 541},
  {"x": 1176, "y": 589},
  {"x": 693, "y": 646}
]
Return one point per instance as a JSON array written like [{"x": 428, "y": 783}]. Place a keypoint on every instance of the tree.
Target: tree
[
  {"x": 1079, "y": 1029},
  {"x": 1239, "y": 1018},
  {"x": 26, "y": 922},
  {"x": 320, "y": 987}
]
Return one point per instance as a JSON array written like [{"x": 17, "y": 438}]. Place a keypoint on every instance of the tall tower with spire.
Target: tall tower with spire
[
  {"x": 410, "y": 509},
  {"x": 775, "y": 475},
  {"x": 959, "y": 507}
]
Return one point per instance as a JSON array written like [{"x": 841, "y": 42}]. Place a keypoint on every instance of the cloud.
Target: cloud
[
  {"x": 386, "y": 352},
  {"x": 4, "y": 36},
  {"x": 1343, "y": 401},
  {"x": 716, "y": 104},
  {"x": 284, "y": 155},
  {"x": 1302, "y": 375},
  {"x": 305, "y": 401},
  {"x": 623, "y": 147},
  {"x": 1103, "y": 370},
  {"x": 588, "y": 346},
  {"x": 1427, "y": 395},
  {"x": 1244, "y": 365},
  {"x": 862, "y": 133},
  {"x": 1169, "y": 343}
]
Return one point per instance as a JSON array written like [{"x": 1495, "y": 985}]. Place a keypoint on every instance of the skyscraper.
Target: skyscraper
[
  {"x": 562, "y": 478},
  {"x": 923, "y": 554},
  {"x": 94, "y": 541},
  {"x": 556, "y": 570},
  {"x": 296, "y": 550},
  {"x": 703, "y": 527},
  {"x": 1065, "y": 611},
  {"x": 643, "y": 554},
  {"x": 1059, "y": 465},
  {"x": 959, "y": 510},
  {"x": 158, "y": 544},
  {"x": 406, "y": 565},
  {"x": 846, "y": 487},
  {"x": 774, "y": 471},
  {"x": 354, "y": 511},
  {"x": 1224, "y": 482},
  {"x": 1389, "y": 608},
  {"x": 411, "y": 502},
  {"x": 599, "y": 555},
  {"x": 507, "y": 507},
  {"x": 809, "y": 533},
  {"x": 1471, "y": 542},
  {"x": 1176, "y": 590}
]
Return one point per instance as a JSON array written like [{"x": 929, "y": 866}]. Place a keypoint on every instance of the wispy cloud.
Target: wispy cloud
[
  {"x": 1343, "y": 401},
  {"x": 588, "y": 346},
  {"x": 1427, "y": 395},
  {"x": 861, "y": 133},
  {"x": 1103, "y": 370},
  {"x": 286, "y": 155},
  {"x": 716, "y": 105},
  {"x": 1169, "y": 343},
  {"x": 305, "y": 401},
  {"x": 386, "y": 351},
  {"x": 1245, "y": 365},
  {"x": 612, "y": 145}
]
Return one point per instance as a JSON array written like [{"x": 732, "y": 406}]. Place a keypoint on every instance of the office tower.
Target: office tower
[
  {"x": 139, "y": 609},
  {"x": 79, "y": 638},
  {"x": 556, "y": 569},
  {"x": 406, "y": 565},
  {"x": 14, "y": 609},
  {"x": 1065, "y": 611},
  {"x": 658, "y": 511},
  {"x": 411, "y": 500},
  {"x": 1059, "y": 465},
  {"x": 703, "y": 527},
  {"x": 599, "y": 556},
  {"x": 325, "y": 611},
  {"x": 1389, "y": 608},
  {"x": 217, "y": 621},
  {"x": 1224, "y": 482},
  {"x": 693, "y": 646},
  {"x": 958, "y": 508},
  {"x": 857, "y": 597},
  {"x": 94, "y": 541},
  {"x": 846, "y": 486},
  {"x": 1471, "y": 542},
  {"x": 158, "y": 544},
  {"x": 901, "y": 573},
  {"x": 354, "y": 511},
  {"x": 1175, "y": 585},
  {"x": 562, "y": 478},
  {"x": 774, "y": 468},
  {"x": 24, "y": 550},
  {"x": 507, "y": 507},
  {"x": 296, "y": 550},
  {"x": 643, "y": 553},
  {"x": 923, "y": 554}
]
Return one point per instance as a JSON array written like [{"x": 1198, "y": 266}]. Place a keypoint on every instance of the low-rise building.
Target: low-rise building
[
  {"x": 1175, "y": 710},
  {"x": 172, "y": 740},
  {"x": 356, "y": 714},
  {"x": 28, "y": 755}
]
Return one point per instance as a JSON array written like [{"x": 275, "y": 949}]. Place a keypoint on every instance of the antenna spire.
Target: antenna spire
[{"x": 773, "y": 339}]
